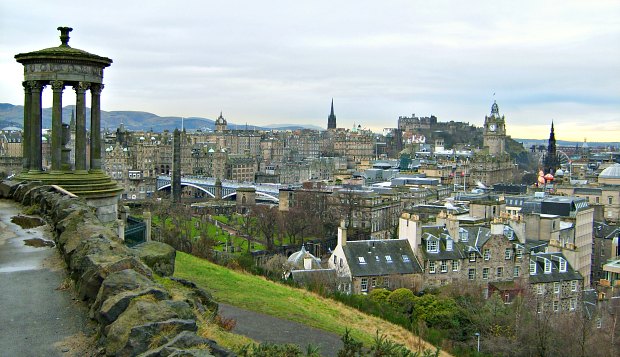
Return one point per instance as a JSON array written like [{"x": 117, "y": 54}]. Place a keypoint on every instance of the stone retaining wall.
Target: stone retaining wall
[{"x": 135, "y": 315}]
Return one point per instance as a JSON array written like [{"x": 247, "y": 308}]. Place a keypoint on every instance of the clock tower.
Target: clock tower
[{"x": 494, "y": 137}]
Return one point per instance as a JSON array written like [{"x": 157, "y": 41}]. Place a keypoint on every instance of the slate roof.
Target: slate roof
[
  {"x": 313, "y": 275},
  {"x": 605, "y": 231},
  {"x": 555, "y": 275},
  {"x": 375, "y": 261}
]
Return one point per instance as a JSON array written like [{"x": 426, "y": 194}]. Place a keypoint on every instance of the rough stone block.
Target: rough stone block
[{"x": 157, "y": 255}]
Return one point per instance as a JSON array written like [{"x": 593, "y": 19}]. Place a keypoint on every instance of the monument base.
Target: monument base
[{"x": 98, "y": 189}]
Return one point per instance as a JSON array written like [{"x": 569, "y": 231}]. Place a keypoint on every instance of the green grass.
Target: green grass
[{"x": 258, "y": 294}]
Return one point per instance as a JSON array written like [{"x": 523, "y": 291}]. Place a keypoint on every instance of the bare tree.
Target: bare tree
[{"x": 265, "y": 218}]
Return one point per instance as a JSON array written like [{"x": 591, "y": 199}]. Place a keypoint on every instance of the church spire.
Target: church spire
[{"x": 331, "y": 120}]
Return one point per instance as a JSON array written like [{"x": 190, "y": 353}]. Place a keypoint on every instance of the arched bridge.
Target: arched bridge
[{"x": 265, "y": 192}]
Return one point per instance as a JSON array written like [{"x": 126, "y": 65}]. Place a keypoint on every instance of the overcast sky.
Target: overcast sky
[{"x": 265, "y": 62}]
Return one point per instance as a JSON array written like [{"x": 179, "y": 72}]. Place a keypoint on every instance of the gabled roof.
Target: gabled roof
[
  {"x": 381, "y": 257},
  {"x": 556, "y": 275}
]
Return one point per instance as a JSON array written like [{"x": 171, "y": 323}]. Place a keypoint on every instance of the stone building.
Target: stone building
[
  {"x": 370, "y": 264},
  {"x": 553, "y": 283}
]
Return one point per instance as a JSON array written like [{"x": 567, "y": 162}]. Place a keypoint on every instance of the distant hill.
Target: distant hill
[
  {"x": 13, "y": 115},
  {"x": 529, "y": 142}
]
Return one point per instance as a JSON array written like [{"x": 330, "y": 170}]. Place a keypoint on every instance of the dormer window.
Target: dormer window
[
  {"x": 562, "y": 265},
  {"x": 361, "y": 260},
  {"x": 405, "y": 258},
  {"x": 388, "y": 258},
  {"x": 509, "y": 233},
  {"x": 463, "y": 235},
  {"x": 432, "y": 246},
  {"x": 547, "y": 266},
  {"x": 449, "y": 244},
  {"x": 532, "y": 267}
]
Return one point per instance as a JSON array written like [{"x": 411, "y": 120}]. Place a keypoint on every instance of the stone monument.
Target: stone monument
[{"x": 61, "y": 67}]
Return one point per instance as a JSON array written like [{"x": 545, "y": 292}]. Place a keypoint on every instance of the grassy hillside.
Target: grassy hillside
[{"x": 258, "y": 294}]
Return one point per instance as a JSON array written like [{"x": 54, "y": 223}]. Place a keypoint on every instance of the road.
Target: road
[
  {"x": 265, "y": 328},
  {"x": 38, "y": 314}
]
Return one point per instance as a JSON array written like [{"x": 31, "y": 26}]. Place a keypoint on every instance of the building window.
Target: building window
[
  {"x": 386, "y": 282},
  {"x": 508, "y": 253},
  {"x": 471, "y": 274},
  {"x": 388, "y": 258},
  {"x": 540, "y": 289},
  {"x": 432, "y": 246},
  {"x": 573, "y": 304},
  {"x": 610, "y": 199},
  {"x": 532, "y": 267},
  {"x": 373, "y": 282},
  {"x": 485, "y": 273},
  {"x": 364, "y": 284},
  {"x": 405, "y": 258},
  {"x": 597, "y": 199},
  {"x": 500, "y": 272},
  {"x": 519, "y": 253},
  {"x": 487, "y": 254},
  {"x": 562, "y": 265},
  {"x": 431, "y": 267},
  {"x": 599, "y": 323},
  {"x": 361, "y": 260},
  {"x": 573, "y": 285},
  {"x": 547, "y": 266},
  {"x": 556, "y": 306},
  {"x": 556, "y": 288},
  {"x": 455, "y": 265},
  {"x": 472, "y": 256},
  {"x": 341, "y": 263},
  {"x": 335, "y": 259},
  {"x": 444, "y": 266},
  {"x": 516, "y": 272},
  {"x": 463, "y": 235}
]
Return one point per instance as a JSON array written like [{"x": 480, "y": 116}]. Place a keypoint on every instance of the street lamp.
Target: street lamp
[{"x": 477, "y": 334}]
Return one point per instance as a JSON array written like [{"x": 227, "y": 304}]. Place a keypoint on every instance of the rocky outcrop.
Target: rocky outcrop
[{"x": 136, "y": 315}]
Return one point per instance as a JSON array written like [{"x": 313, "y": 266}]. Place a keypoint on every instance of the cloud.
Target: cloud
[{"x": 283, "y": 61}]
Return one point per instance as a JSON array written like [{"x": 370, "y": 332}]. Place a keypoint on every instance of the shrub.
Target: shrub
[
  {"x": 379, "y": 295},
  {"x": 401, "y": 300}
]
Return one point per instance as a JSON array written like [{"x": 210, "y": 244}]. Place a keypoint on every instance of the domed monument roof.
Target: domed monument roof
[
  {"x": 297, "y": 259},
  {"x": 612, "y": 171}
]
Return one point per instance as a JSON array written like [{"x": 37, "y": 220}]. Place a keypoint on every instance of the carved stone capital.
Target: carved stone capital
[
  {"x": 26, "y": 85},
  {"x": 58, "y": 86},
  {"x": 36, "y": 86},
  {"x": 81, "y": 87},
  {"x": 96, "y": 88}
]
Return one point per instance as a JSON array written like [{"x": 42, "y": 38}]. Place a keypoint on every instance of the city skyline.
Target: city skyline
[{"x": 281, "y": 63}]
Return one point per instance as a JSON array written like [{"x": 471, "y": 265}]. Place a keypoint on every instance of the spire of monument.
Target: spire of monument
[{"x": 331, "y": 120}]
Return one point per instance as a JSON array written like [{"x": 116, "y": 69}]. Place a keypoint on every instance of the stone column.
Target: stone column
[
  {"x": 27, "y": 129},
  {"x": 36, "y": 158},
  {"x": 80, "y": 127},
  {"x": 57, "y": 88},
  {"x": 121, "y": 229},
  {"x": 147, "y": 222},
  {"x": 95, "y": 127}
]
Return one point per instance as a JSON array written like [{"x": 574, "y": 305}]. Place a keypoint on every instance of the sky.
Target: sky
[{"x": 267, "y": 62}]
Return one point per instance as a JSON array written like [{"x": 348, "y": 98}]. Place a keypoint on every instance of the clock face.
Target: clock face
[{"x": 492, "y": 127}]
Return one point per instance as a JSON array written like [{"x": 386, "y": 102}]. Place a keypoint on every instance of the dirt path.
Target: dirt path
[
  {"x": 38, "y": 314},
  {"x": 265, "y": 328}
]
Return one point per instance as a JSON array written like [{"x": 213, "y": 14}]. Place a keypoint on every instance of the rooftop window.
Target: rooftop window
[
  {"x": 405, "y": 258},
  {"x": 361, "y": 260}
]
